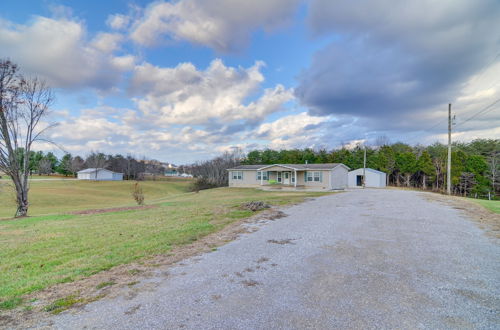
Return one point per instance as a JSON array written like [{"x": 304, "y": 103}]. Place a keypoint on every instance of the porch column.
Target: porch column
[
  {"x": 261, "y": 178},
  {"x": 295, "y": 180}
]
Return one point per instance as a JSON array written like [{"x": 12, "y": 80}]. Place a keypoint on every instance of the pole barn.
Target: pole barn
[{"x": 374, "y": 178}]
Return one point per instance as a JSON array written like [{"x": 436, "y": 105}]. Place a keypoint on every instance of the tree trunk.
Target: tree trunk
[
  {"x": 397, "y": 180},
  {"x": 408, "y": 176},
  {"x": 423, "y": 182},
  {"x": 22, "y": 208},
  {"x": 21, "y": 201}
]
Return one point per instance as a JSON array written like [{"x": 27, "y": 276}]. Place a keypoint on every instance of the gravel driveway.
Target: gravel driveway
[{"x": 359, "y": 259}]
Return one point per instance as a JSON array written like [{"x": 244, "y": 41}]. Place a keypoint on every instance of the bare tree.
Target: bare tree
[
  {"x": 215, "y": 170},
  {"x": 23, "y": 103},
  {"x": 494, "y": 168},
  {"x": 76, "y": 164},
  {"x": 45, "y": 166},
  {"x": 96, "y": 160}
]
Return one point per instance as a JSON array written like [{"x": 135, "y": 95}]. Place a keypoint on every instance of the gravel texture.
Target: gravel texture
[{"x": 365, "y": 259}]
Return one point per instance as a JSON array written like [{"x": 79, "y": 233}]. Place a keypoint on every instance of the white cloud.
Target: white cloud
[
  {"x": 224, "y": 25},
  {"x": 298, "y": 130},
  {"x": 118, "y": 21},
  {"x": 58, "y": 50},
  {"x": 107, "y": 42},
  {"x": 185, "y": 95}
]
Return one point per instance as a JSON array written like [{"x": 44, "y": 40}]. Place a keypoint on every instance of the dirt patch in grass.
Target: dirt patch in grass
[
  {"x": 255, "y": 206},
  {"x": 126, "y": 279},
  {"x": 486, "y": 219},
  {"x": 273, "y": 215},
  {"x": 114, "y": 209}
]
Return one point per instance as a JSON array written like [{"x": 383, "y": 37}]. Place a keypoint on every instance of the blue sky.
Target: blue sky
[{"x": 184, "y": 80}]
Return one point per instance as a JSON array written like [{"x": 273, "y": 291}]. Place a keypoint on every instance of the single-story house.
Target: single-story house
[
  {"x": 319, "y": 176},
  {"x": 171, "y": 170},
  {"x": 99, "y": 174},
  {"x": 374, "y": 178}
]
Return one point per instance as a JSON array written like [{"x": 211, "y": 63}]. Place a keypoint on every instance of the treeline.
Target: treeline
[
  {"x": 41, "y": 163},
  {"x": 212, "y": 173},
  {"x": 474, "y": 166}
]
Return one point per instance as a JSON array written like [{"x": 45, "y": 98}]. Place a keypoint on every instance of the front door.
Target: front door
[
  {"x": 359, "y": 180},
  {"x": 286, "y": 178}
]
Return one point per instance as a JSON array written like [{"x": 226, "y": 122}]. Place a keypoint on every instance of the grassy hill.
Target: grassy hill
[
  {"x": 42, "y": 250},
  {"x": 59, "y": 196}
]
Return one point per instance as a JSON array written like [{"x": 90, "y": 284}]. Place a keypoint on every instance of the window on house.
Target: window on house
[
  {"x": 262, "y": 175},
  {"x": 317, "y": 176},
  {"x": 314, "y": 176},
  {"x": 237, "y": 175}
]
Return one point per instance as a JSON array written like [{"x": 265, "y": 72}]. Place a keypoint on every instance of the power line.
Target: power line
[
  {"x": 426, "y": 130},
  {"x": 485, "y": 68},
  {"x": 482, "y": 111}
]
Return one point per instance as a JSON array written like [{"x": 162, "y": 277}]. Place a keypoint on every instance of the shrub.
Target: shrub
[
  {"x": 201, "y": 184},
  {"x": 138, "y": 194}
]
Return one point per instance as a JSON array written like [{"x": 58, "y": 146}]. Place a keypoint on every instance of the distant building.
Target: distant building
[
  {"x": 171, "y": 170},
  {"x": 374, "y": 178},
  {"x": 99, "y": 174}
]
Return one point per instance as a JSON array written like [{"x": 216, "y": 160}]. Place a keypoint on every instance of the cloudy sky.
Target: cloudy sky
[{"x": 184, "y": 80}]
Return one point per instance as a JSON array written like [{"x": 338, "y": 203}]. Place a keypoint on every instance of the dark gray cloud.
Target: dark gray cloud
[{"x": 392, "y": 59}]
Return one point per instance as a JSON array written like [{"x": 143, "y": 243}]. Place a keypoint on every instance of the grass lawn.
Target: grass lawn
[
  {"x": 493, "y": 206},
  {"x": 43, "y": 250},
  {"x": 59, "y": 196}
]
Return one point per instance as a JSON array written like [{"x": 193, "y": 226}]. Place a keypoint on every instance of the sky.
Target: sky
[{"x": 182, "y": 81}]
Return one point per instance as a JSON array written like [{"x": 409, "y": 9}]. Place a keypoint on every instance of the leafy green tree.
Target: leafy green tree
[
  {"x": 253, "y": 157},
  {"x": 64, "y": 166},
  {"x": 35, "y": 158},
  {"x": 425, "y": 167},
  {"x": 386, "y": 161},
  {"x": 477, "y": 165},
  {"x": 406, "y": 162}
]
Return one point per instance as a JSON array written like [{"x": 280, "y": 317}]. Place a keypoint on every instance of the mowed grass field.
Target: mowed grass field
[
  {"x": 493, "y": 206},
  {"x": 56, "y": 196},
  {"x": 42, "y": 250}
]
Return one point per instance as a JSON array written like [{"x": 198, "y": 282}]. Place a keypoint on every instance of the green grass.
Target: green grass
[
  {"x": 40, "y": 251},
  {"x": 62, "y": 304},
  {"x": 59, "y": 196},
  {"x": 493, "y": 206}
]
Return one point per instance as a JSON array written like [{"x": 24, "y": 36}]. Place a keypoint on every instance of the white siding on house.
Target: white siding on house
[
  {"x": 339, "y": 178},
  {"x": 332, "y": 178}
]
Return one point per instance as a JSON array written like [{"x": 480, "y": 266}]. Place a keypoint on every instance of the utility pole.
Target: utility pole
[
  {"x": 364, "y": 168},
  {"x": 448, "y": 170}
]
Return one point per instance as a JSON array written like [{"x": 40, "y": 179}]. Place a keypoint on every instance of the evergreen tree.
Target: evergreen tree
[{"x": 425, "y": 167}]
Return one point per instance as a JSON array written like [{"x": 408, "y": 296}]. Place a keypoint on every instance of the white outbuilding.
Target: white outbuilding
[
  {"x": 99, "y": 174},
  {"x": 374, "y": 178}
]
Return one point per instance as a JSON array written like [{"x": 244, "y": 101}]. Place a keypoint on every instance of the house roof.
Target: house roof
[
  {"x": 302, "y": 167},
  {"x": 93, "y": 170}
]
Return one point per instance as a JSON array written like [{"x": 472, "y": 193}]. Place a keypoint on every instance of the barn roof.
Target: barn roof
[
  {"x": 93, "y": 170},
  {"x": 368, "y": 170}
]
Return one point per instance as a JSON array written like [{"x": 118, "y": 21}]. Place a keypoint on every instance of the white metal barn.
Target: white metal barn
[
  {"x": 374, "y": 178},
  {"x": 99, "y": 174}
]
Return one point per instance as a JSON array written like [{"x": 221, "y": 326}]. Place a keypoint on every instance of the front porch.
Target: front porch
[{"x": 281, "y": 178}]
